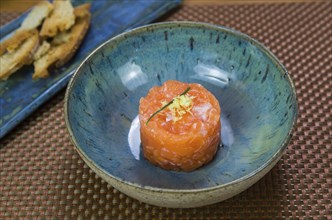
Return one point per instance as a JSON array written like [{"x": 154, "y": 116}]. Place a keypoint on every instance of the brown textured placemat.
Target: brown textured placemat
[{"x": 41, "y": 175}]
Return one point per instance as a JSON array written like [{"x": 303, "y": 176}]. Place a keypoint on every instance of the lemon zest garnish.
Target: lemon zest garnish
[
  {"x": 180, "y": 106},
  {"x": 165, "y": 105}
]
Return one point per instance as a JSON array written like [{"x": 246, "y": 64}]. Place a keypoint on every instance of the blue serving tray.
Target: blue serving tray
[{"x": 20, "y": 95}]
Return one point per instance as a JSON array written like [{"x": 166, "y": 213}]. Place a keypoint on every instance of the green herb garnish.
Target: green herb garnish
[{"x": 166, "y": 105}]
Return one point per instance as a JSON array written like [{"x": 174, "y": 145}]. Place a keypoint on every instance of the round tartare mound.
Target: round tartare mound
[{"x": 180, "y": 125}]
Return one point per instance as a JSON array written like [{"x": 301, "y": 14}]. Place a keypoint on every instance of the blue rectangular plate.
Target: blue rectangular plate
[{"x": 20, "y": 95}]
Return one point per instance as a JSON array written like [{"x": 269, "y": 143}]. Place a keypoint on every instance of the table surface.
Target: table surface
[
  {"x": 42, "y": 176},
  {"x": 22, "y": 5}
]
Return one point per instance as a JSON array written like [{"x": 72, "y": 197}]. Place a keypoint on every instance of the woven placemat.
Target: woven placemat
[{"x": 42, "y": 176}]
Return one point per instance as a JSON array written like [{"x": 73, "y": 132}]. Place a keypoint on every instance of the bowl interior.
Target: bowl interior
[{"x": 256, "y": 97}]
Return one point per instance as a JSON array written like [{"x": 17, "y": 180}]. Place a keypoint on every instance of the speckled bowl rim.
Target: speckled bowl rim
[{"x": 160, "y": 25}]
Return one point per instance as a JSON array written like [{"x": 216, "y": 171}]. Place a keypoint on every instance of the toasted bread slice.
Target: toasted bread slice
[
  {"x": 23, "y": 54},
  {"x": 64, "y": 48},
  {"x": 82, "y": 11},
  {"x": 61, "y": 19},
  {"x": 37, "y": 15},
  {"x": 61, "y": 38},
  {"x": 79, "y": 12},
  {"x": 42, "y": 49},
  {"x": 10, "y": 44},
  {"x": 31, "y": 22}
]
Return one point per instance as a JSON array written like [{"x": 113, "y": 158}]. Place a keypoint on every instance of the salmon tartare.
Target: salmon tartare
[{"x": 180, "y": 125}]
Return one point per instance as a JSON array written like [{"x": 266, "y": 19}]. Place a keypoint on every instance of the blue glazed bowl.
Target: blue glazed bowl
[{"x": 256, "y": 94}]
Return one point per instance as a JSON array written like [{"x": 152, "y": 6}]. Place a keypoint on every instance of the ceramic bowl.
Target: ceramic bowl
[{"x": 256, "y": 94}]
